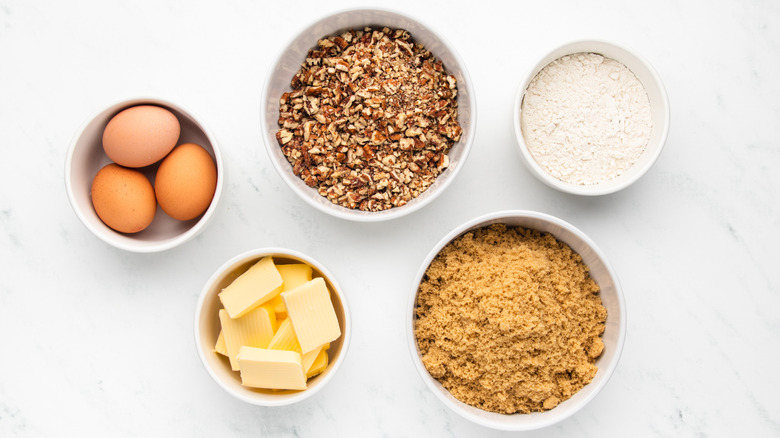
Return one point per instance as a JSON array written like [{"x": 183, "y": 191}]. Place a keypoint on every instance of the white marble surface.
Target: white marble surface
[{"x": 97, "y": 340}]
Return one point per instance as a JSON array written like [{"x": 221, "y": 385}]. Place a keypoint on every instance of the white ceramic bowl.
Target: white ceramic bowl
[
  {"x": 659, "y": 104},
  {"x": 86, "y": 156},
  {"x": 613, "y": 336},
  {"x": 288, "y": 63},
  {"x": 207, "y": 327}
]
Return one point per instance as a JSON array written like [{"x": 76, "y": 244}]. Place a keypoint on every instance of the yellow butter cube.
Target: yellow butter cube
[
  {"x": 278, "y": 303},
  {"x": 220, "y": 345},
  {"x": 294, "y": 275},
  {"x": 319, "y": 365},
  {"x": 285, "y": 338},
  {"x": 253, "y": 329},
  {"x": 271, "y": 369},
  {"x": 311, "y": 312},
  {"x": 272, "y": 316},
  {"x": 258, "y": 284},
  {"x": 307, "y": 359}
]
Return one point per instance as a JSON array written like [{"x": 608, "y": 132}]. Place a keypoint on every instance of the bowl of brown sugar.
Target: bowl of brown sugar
[
  {"x": 516, "y": 320},
  {"x": 368, "y": 114}
]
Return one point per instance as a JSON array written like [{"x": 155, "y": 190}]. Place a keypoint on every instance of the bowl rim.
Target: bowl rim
[
  {"x": 337, "y": 210},
  {"x": 257, "y": 253},
  {"x": 598, "y": 189},
  {"x": 128, "y": 244},
  {"x": 461, "y": 408}
]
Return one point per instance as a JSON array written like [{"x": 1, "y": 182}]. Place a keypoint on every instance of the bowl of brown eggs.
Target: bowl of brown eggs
[{"x": 144, "y": 175}]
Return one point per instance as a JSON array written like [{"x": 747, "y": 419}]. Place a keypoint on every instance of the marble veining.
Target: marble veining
[{"x": 99, "y": 341}]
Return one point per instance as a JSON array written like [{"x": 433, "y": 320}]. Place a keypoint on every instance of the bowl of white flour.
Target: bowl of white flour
[{"x": 591, "y": 118}]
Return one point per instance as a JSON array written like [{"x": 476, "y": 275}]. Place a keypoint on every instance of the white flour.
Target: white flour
[{"x": 586, "y": 118}]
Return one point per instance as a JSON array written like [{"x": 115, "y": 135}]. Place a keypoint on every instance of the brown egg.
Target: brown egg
[
  {"x": 186, "y": 182},
  {"x": 141, "y": 135},
  {"x": 123, "y": 198}
]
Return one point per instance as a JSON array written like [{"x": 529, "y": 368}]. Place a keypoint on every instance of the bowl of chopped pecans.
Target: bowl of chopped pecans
[{"x": 368, "y": 114}]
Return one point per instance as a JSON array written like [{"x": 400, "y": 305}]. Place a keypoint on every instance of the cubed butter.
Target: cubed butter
[
  {"x": 319, "y": 365},
  {"x": 278, "y": 304},
  {"x": 271, "y": 315},
  {"x": 220, "y": 345},
  {"x": 307, "y": 359},
  {"x": 285, "y": 338},
  {"x": 294, "y": 274},
  {"x": 271, "y": 369},
  {"x": 258, "y": 284},
  {"x": 253, "y": 329},
  {"x": 311, "y": 312}
]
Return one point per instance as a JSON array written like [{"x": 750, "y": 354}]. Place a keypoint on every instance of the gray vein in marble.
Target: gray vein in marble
[
  {"x": 8, "y": 223},
  {"x": 764, "y": 414},
  {"x": 13, "y": 417}
]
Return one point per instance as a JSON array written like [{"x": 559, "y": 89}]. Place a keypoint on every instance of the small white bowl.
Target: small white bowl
[
  {"x": 207, "y": 327},
  {"x": 613, "y": 336},
  {"x": 288, "y": 63},
  {"x": 659, "y": 105},
  {"x": 86, "y": 156}
]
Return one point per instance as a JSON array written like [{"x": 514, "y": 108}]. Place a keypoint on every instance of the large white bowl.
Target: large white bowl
[
  {"x": 207, "y": 327},
  {"x": 86, "y": 156},
  {"x": 659, "y": 106},
  {"x": 288, "y": 63},
  {"x": 613, "y": 336}
]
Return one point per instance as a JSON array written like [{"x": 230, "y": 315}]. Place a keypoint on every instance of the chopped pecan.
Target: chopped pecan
[{"x": 370, "y": 119}]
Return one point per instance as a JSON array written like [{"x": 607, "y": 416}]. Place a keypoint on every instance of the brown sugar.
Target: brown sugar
[{"x": 509, "y": 320}]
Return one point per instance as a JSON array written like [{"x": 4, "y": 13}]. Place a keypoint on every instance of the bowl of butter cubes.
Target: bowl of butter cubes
[{"x": 272, "y": 326}]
